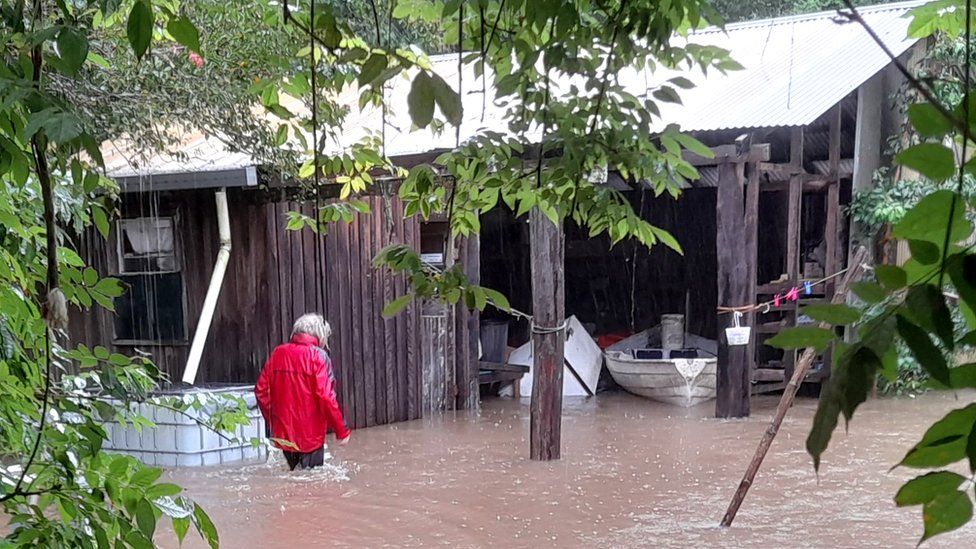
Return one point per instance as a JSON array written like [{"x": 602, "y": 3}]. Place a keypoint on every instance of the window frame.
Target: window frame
[{"x": 178, "y": 258}]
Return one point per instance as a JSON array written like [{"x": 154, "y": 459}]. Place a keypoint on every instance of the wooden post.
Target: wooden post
[
  {"x": 469, "y": 365},
  {"x": 751, "y": 227},
  {"x": 802, "y": 366},
  {"x": 831, "y": 262},
  {"x": 734, "y": 369},
  {"x": 793, "y": 225},
  {"x": 549, "y": 336}
]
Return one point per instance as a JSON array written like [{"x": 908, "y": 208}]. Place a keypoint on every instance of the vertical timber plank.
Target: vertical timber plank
[
  {"x": 472, "y": 268},
  {"x": 833, "y": 199},
  {"x": 411, "y": 367},
  {"x": 356, "y": 323},
  {"x": 368, "y": 344},
  {"x": 733, "y": 380},
  {"x": 751, "y": 227}
]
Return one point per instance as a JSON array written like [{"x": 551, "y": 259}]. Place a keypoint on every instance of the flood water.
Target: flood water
[{"x": 633, "y": 473}]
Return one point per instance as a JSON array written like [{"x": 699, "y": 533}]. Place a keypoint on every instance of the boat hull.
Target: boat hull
[{"x": 676, "y": 382}]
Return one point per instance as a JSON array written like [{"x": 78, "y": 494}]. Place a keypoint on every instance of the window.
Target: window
[
  {"x": 432, "y": 235},
  {"x": 147, "y": 245},
  {"x": 152, "y": 309}
]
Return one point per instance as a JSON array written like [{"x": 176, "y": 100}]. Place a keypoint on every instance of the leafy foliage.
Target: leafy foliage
[
  {"x": 58, "y": 487},
  {"x": 911, "y": 309}
]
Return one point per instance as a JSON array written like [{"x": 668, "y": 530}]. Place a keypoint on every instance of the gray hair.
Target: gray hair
[{"x": 314, "y": 325}]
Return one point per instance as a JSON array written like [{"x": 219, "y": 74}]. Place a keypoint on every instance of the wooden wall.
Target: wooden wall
[{"x": 273, "y": 277}]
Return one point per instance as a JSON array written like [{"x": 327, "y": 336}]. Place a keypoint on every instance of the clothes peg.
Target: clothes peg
[
  {"x": 776, "y": 300},
  {"x": 793, "y": 294},
  {"x": 808, "y": 287}
]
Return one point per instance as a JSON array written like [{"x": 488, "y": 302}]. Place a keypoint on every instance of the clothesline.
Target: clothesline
[{"x": 792, "y": 295}]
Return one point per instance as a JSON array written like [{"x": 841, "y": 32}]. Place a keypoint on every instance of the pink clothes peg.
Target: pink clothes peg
[
  {"x": 793, "y": 295},
  {"x": 776, "y": 300}
]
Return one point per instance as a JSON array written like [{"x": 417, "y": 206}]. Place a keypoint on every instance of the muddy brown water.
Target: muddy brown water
[{"x": 634, "y": 473}]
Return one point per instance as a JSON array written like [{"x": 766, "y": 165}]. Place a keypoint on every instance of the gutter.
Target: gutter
[{"x": 213, "y": 292}]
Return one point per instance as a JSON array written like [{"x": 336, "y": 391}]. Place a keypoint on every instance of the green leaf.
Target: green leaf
[
  {"x": 374, "y": 65},
  {"x": 861, "y": 365},
  {"x": 944, "y": 442},
  {"x": 693, "y": 145},
  {"x": 926, "y": 307},
  {"x": 281, "y": 136},
  {"x": 925, "y": 253},
  {"x": 331, "y": 35},
  {"x": 891, "y": 277},
  {"x": 394, "y": 307},
  {"x": 928, "y": 121},
  {"x": 802, "y": 337},
  {"x": 205, "y": 526},
  {"x": 72, "y": 48},
  {"x": 497, "y": 299},
  {"x": 146, "y": 517},
  {"x": 146, "y": 476},
  {"x": 925, "y": 488},
  {"x": 181, "y": 526},
  {"x": 420, "y": 100},
  {"x": 139, "y": 27},
  {"x": 138, "y": 540},
  {"x": 447, "y": 99},
  {"x": 929, "y": 218},
  {"x": 183, "y": 31},
  {"x": 163, "y": 489},
  {"x": 682, "y": 82},
  {"x": 962, "y": 272},
  {"x": 667, "y": 94},
  {"x": 836, "y": 314},
  {"x": 850, "y": 382},
  {"x": 869, "y": 291},
  {"x": 933, "y": 160},
  {"x": 945, "y": 513},
  {"x": 101, "y": 221},
  {"x": 928, "y": 355}
]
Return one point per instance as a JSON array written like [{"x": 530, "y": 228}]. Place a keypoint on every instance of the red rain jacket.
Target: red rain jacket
[{"x": 296, "y": 393}]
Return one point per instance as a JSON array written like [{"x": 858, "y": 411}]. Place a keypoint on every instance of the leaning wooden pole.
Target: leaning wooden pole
[
  {"x": 799, "y": 373},
  {"x": 548, "y": 336}
]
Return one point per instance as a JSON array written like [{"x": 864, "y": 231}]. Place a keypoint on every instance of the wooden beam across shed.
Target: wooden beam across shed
[{"x": 729, "y": 153}]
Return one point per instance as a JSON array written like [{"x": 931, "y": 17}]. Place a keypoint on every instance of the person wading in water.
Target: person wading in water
[{"x": 296, "y": 393}]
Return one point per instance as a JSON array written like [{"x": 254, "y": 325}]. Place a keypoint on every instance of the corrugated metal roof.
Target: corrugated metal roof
[
  {"x": 795, "y": 69},
  {"x": 195, "y": 152}
]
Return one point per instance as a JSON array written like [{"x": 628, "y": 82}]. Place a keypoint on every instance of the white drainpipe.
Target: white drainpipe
[{"x": 213, "y": 292}]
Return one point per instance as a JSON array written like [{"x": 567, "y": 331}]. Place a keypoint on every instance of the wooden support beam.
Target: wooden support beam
[
  {"x": 796, "y": 146},
  {"x": 729, "y": 153},
  {"x": 751, "y": 228},
  {"x": 779, "y": 172},
  {"x": 810, "y": 182},
  {"x": 831, "y": 228},
  {"x": 794, "y": 211},
  {"x": 734, "y": 370},
  {"x": 548, "y": 340},
  {"x": 469, "y": 324}
]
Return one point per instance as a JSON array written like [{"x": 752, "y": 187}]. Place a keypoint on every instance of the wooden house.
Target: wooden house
[{"x": 795, "y": 133}]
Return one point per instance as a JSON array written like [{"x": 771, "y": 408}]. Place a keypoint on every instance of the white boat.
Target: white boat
[
  {"x": 641, "y": 367},
  {"x": 679, "y": 381}
]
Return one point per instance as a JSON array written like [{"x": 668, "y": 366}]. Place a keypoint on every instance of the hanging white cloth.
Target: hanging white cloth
[{"x": 149, "y": 236}]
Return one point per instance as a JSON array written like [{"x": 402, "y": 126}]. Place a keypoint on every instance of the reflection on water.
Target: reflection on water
[{"x": 633, "y": 473}]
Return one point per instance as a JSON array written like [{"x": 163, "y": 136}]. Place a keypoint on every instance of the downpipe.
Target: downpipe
[{"x": 213, "y": 292}]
